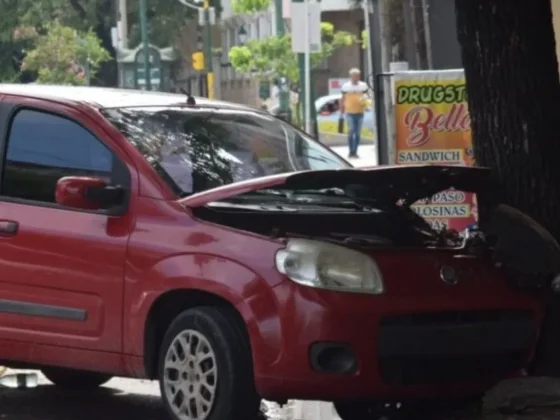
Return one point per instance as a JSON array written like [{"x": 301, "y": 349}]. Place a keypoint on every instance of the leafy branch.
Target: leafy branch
[
  {"x": 271, "y": 57},
  {"x": 60, "y": 54}
]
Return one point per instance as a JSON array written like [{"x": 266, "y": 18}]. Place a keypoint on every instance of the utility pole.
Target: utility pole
[
  {"x": 145, "y": 43},
  {"x": 208, "y": 50},
  {"x": 427, "y": 34},
  {"x": 123, "y": 24},
  {"x": 382, "y": 86},
  {"x": 307, "y": 99},
  {"x": 283, "y": 93}
]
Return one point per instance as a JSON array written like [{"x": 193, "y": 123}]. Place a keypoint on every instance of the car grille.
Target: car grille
[{"x": 451, "y": 347}]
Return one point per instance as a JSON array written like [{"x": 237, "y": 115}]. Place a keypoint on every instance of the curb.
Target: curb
[{"x": 335, "y": 139}]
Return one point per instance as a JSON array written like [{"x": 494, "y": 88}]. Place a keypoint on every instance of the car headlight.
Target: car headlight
[{"x": 328, "y": 266}]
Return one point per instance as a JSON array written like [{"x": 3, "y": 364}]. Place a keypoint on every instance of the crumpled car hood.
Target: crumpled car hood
[{"x": 392, "y": 183}]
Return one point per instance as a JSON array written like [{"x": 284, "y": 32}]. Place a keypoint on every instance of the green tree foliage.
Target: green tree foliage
[
  {"x": 10, "y": 48},
  {"x": 60, "y": 54},
  {"x": 249, "y": 6},
  {"x": 271, "y": 57},
  {"x": 165, "y": 17}
]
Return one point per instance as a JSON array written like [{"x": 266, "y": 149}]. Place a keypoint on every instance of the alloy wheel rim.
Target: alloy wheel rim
[{"x": 190, "y": 376}]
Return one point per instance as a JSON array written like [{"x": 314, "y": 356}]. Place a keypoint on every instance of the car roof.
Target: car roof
[{"x": 101, "y": 97}]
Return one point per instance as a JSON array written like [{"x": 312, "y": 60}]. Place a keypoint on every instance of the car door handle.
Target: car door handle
[{"x": 8, "y": 228}]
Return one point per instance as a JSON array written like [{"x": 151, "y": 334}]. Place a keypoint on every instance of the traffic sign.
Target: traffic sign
[
  {"x": 198, "y": 60},
  {"x": 306, "y": 15}
]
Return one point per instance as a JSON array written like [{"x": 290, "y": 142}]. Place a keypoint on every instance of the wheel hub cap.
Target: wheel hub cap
[{"x": 190, "y": 376}]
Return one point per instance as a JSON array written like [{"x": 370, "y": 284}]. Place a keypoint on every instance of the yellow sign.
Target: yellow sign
[
  {"x": 198, "y": 60},
  {"x": 433, "y": 126},
  {"x": 210, "y": 81}
]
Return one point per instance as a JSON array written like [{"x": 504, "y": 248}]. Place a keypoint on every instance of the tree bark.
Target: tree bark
[
  {"x": 513, "y": 89},
  {"x": 508, "y": 50}
]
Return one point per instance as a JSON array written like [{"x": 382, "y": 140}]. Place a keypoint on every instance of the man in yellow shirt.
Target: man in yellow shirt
[{"x": 353, "y": 104}]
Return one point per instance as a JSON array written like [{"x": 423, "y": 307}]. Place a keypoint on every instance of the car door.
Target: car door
[{"x": 61, "y": 269}]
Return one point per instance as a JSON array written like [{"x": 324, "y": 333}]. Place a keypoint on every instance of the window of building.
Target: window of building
[{"x": 42, "y": 148}]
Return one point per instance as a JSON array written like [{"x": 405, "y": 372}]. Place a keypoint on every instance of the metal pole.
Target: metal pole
[
  {"x": 301, "y": 71},
  {"x": 371, "y": 70},
  {"x": 208, "y": 50},
  {"x": 283, "y": 94},
  {"x": 145, "y": 43},
  {"x": 411, "y": 30},
  {"x": 88, "y": 71},
  {"x": 123, "y": 18},
  {"x": 381, "y": 93},
  {"x": 427, "y": 34},
  {"x": 307, "y": 71},
  {"x": 367, "y": 27}
]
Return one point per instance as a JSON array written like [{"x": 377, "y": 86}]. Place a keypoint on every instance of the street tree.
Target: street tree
[
  {"x": 165, "y": 18},
  {"x": 513, "y": 89},
  {"x": 271, "y": 57},
  {"x": 62, "y": 55}
]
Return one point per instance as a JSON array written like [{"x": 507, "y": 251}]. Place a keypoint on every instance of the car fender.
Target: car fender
[{"x": 247, "y": 291}]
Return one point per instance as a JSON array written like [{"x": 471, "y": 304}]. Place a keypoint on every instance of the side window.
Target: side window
[
  {"x": 329, "y": 108},
  {"x": 42, "y": 148},
  {"x": 326, "y": 109},
  {"x": 336, "y": 105}
]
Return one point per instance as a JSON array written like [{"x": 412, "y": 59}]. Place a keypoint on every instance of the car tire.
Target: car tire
[
  {"x": 358, "y": 411},
  {"x": 407, "y": 411},
  {"x": 205, "y": 367},
  {"x": 75, "y": 379}
]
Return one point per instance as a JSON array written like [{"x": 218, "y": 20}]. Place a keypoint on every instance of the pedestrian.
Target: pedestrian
[{"x": 354, "y": 102}]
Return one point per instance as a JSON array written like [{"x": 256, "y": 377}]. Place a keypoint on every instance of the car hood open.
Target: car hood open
[{"x": 391, "y": 183}]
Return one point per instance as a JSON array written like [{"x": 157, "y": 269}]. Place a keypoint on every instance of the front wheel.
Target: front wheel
[
  {"x": 405, "y": 411},
  {"x": 75, "y": 379},
  {"x": 205, "y": 367},
  {"x": 359, "y": 411}
]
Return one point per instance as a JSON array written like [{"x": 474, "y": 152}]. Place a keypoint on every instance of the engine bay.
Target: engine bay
[{"x": 400, "y": 227}]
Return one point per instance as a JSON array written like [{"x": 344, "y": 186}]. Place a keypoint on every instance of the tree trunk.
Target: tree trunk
[{"x": 513, "y": 89}]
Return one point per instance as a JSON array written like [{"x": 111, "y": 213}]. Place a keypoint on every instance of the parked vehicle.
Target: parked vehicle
[
  {"x": 228, "y": 255},
  {"x": 328, "y": 114}
]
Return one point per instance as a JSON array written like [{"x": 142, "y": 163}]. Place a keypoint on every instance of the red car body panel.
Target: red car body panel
[{"x": 116, "y": 268}]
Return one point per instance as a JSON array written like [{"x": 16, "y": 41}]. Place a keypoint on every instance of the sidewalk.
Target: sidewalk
[
  {"x": 367, "y": 153},
  {"x": 335, "y": 139}
]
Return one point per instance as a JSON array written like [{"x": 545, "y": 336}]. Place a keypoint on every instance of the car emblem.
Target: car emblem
[{"x": 449, "y": 275}]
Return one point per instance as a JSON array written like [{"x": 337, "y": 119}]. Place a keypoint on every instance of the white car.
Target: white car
[{"x": 328, "y": 114}]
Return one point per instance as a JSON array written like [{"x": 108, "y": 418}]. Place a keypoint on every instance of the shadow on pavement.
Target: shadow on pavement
[{"x": 49, "y": 403}]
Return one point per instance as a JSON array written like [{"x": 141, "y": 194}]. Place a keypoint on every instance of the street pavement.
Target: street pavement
[
  {"x": 136, "y": 399},
  {"x": 366, "y": 153},
  {"x": 119, "y": 398}
]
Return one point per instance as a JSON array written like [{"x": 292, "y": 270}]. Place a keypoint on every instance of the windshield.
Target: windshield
[{"x": 195, "y": 149}]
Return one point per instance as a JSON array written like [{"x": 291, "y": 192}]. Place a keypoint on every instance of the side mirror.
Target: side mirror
[{"x": 88, "y": 194}]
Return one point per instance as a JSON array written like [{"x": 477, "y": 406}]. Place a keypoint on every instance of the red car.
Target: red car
[{"x": 226, "y": 254}]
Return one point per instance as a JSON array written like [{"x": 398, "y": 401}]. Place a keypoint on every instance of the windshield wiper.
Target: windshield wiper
[
  {"x": 339, "y": 195},
  {"x": 327, "y": 197},
  {"x": 336, "y": 192},
  {"x": 265, "y": 193}
]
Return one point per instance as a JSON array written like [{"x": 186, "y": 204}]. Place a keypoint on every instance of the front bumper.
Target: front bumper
[
  {"x": 403, "y": 347},
  {"x": 452, "y": 346}
]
